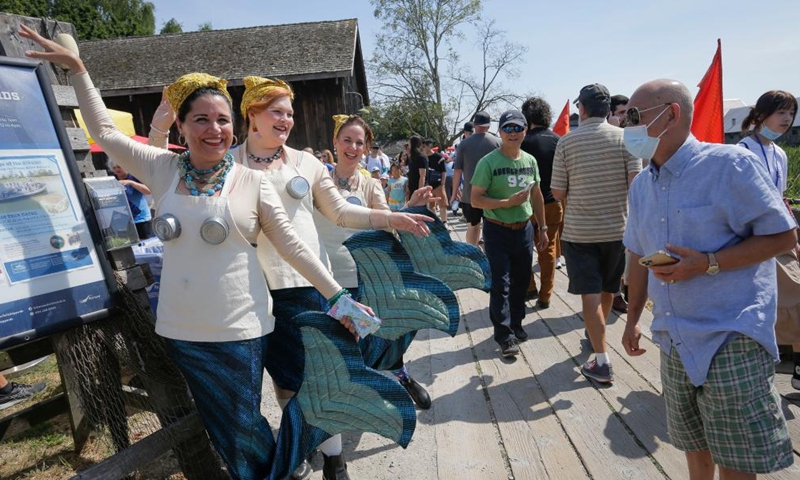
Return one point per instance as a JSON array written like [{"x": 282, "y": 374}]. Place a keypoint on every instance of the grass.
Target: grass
[
  {"x": 46, "y": 451},
  {"x": 793, "y": 177}
]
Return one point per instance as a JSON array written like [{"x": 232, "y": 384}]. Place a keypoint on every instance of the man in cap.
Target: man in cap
[
  {"x": 379, "y": 159},
  {"x": 468, "y": 153},
  {"x": 506, "y": 186},
  {"x": 715, "y": 209},
  {"x": 592, "y": 171},
  {"x": 468, "y": 129}
]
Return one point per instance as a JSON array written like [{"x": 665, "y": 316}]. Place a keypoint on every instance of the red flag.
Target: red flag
[
  {"x": 708, "y": 124},
  {"x": 561, "y": 126}
]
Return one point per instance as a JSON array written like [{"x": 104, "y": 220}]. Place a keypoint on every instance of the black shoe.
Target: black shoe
[
  {"x": 303, "y": 471},
  {"x": 334, "y": 468},
  {"x": 542, "y": 305},
  {"x": 619, "y": 305},
  {"x": 417, "y": 392},
  {"x": 509, "y": 348},
  {"x": 531, "y": 295},
  {"x": 520, "y": 333}
]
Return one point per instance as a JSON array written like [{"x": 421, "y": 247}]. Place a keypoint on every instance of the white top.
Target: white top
[
  {"x": 255, "y": 207},
  {"x": 370, "y": 193},
  {"x": 774, "y": 158},
  {"x": 381, "y": 161}
]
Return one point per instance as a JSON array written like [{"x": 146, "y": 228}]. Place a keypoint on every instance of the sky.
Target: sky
[{"x": 619, "y": 43}]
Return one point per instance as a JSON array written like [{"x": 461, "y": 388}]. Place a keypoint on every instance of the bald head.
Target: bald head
[{"x": 665, "y": 90}]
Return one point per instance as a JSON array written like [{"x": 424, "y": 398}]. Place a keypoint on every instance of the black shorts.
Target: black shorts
[
  {"x": 471, "y": 214},
  {"x": 594, "y": 267}
]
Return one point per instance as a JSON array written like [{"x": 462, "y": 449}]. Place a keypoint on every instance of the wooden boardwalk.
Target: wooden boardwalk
[{"x": 535, "y": 417}]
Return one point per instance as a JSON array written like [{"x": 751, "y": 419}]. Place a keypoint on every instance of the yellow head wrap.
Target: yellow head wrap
[
  {"x": 338, "y": 121},
  {"x": 179, "y": 91},
  {"x": 257, "y": 87}
]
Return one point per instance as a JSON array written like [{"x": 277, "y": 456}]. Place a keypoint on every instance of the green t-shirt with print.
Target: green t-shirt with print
[{"x": 503, "y": 177}]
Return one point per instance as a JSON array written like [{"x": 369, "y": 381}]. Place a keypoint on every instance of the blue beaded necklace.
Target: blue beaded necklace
[{"x": 213, "y": 183}]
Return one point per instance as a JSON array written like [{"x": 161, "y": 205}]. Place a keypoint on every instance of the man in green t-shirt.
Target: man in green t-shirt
[{"x": 506, "y": 186}]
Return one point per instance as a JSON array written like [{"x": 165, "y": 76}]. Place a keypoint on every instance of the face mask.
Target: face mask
[
  {"x": 769, "y": 134},
  {"x": 639, "y": 143}
]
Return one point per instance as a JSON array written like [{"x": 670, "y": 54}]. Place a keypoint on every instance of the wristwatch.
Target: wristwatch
[
  {"x": 543, "y": 228},
  {"x": 713, "y": 266}
]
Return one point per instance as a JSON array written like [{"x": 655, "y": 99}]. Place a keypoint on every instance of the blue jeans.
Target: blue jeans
[{"x": 510, "y": 254}]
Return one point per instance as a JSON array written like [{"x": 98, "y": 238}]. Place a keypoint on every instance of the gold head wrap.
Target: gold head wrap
[
  {"x": 179, "y": 91},
  {"x": 338, "y": 121},
  {"x": 256, "y": 87}
]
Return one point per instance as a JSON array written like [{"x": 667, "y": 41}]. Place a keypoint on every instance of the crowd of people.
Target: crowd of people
[{"x": 630, "y": 198}]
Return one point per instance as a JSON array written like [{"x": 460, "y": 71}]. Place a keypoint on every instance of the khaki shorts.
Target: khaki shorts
[{"x": 736, "y": 414}]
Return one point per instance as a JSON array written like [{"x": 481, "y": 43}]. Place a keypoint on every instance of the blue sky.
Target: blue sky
[{"x": 619, "y": 43}]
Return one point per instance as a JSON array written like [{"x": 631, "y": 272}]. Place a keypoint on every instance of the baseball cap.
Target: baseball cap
[
  {"x": 594, "y": 94},
  {"x": 468, "y": 127},
  {"x": 482, "y": 119},
  {"x": 512, "y": 117},
  {"x": 376, "y": 169}
]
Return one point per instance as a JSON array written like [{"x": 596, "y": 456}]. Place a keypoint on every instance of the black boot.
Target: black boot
[
  {"x": 416, "y": 391},
  {"x": 334, "y": 468},
  {"x": 303, "y": 471}
]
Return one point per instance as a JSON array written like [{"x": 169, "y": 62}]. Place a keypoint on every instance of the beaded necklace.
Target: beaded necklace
[
  {"x": 345, "y": 183},
  {"x": 266, "y": 160},
  {"x": 211, "y": 184}
]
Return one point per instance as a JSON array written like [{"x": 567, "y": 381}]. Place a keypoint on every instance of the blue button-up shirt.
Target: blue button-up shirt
[{"x": 708, "y": 197}]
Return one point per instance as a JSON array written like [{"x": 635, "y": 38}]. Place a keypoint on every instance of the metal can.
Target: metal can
[
  {"x": 298, "y": 187},
  {"x": 166, "y": 227},
  {"x": 214, "y": 230}
]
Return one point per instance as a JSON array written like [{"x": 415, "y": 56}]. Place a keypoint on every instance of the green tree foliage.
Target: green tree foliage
[
  {"x": 93, "y": 19},
  {"x": 171, "y": 26},
  {"x": 205, "y": 27},
  {"x": 416, "y": 63}
]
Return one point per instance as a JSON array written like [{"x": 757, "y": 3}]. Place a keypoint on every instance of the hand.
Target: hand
[
  {"x": 630, "y": 339},
  {"x": 518, "y": 198},
  {"x": 53, "y": 52},
  {"x": 125, "y": 182},
  {"x": 456, "y": 195},
  {"x": 543, "y": 242},
  {"x": 614, "y": 120},
  {"x": 410, "y": 222},
  {"x": 347, "y": 323},
  {"x": 422, "y": 196},
  {"x": 691, "y": 264},
  {"x": 165, "y": 115}
]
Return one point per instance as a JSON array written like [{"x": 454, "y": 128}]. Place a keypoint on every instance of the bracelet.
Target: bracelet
[
  {"x": 162, "y": 132},
  {"x": 339, "y": 294}
]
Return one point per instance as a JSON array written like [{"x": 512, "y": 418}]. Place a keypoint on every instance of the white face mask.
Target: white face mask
[{"x": 639, "y": 143}]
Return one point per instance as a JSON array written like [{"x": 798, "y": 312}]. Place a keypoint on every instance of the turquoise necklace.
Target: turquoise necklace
[{"x": 212, "y": 179}]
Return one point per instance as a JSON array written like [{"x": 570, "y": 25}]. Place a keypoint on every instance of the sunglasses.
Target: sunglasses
[
  {"x": 634, "y": 115},
  {"x": 513, "y": 128}
]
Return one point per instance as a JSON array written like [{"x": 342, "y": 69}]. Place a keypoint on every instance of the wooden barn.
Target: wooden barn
[{"x": 322, "y": 61}]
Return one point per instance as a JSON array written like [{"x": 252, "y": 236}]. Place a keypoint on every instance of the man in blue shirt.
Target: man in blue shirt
[{"x": 713, "y": 208}]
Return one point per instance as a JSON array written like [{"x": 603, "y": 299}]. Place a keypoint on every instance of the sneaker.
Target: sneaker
[
  {"x": 542, "y": 305},
  {"x": 520, "y": 333},
  {"x": 558, "y": 264},
  {"x": 601, "y": 374},
  {"x": 509, "y": 348},
  {"x": 20, "y": 393}
]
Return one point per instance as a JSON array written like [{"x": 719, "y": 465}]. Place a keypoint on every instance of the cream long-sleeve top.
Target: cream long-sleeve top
[
  {"x": 342, "y": 263},
  {"x": 254, "y": 203}
]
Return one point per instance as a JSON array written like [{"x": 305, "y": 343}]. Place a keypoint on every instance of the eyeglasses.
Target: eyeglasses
[
  {"x": 513, "y": 128},
  {"x": 634, "y": 115}
]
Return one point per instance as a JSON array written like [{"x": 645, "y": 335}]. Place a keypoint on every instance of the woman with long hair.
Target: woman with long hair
[
  {"x": 771, "y": 117},
  {"x": 417, "y": 164},
  {"x": 214, "y": 308}
]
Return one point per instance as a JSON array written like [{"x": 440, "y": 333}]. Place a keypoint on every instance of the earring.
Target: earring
[
  {"x": 235, "y": 141},
  {"x": 255, "y": 128},
  {"x": 182, "y": 140}
]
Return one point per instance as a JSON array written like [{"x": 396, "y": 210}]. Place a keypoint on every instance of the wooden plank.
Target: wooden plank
[
  {"x": 77, "y": 139},
  {"x": 536, "y": 445},
  {"x": 466, "y": 439},
  {"x": 33, "y": 415},
  {"x": 632, "y": 398},
  {"x": 25, "y": 353},
  {"x": 65, "y": 96}
]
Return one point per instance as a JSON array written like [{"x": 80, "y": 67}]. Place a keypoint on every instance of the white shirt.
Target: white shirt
[
  {"x": 774, "y": 158},
  {"x": 381, "y": 161}
]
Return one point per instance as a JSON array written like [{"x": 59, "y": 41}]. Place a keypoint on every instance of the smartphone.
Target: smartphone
[{"x": 659, "y": 258}]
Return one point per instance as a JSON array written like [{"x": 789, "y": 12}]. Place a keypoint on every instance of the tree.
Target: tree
[
  {"x": 205, "y": 27},
  {"x": 415, "y": 63},
  {"x": 171, "y": 26},
  {"x": 93, "y": 19}
]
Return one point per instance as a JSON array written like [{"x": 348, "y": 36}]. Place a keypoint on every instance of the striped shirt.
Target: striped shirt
[{"x": 592, "y": 165}]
